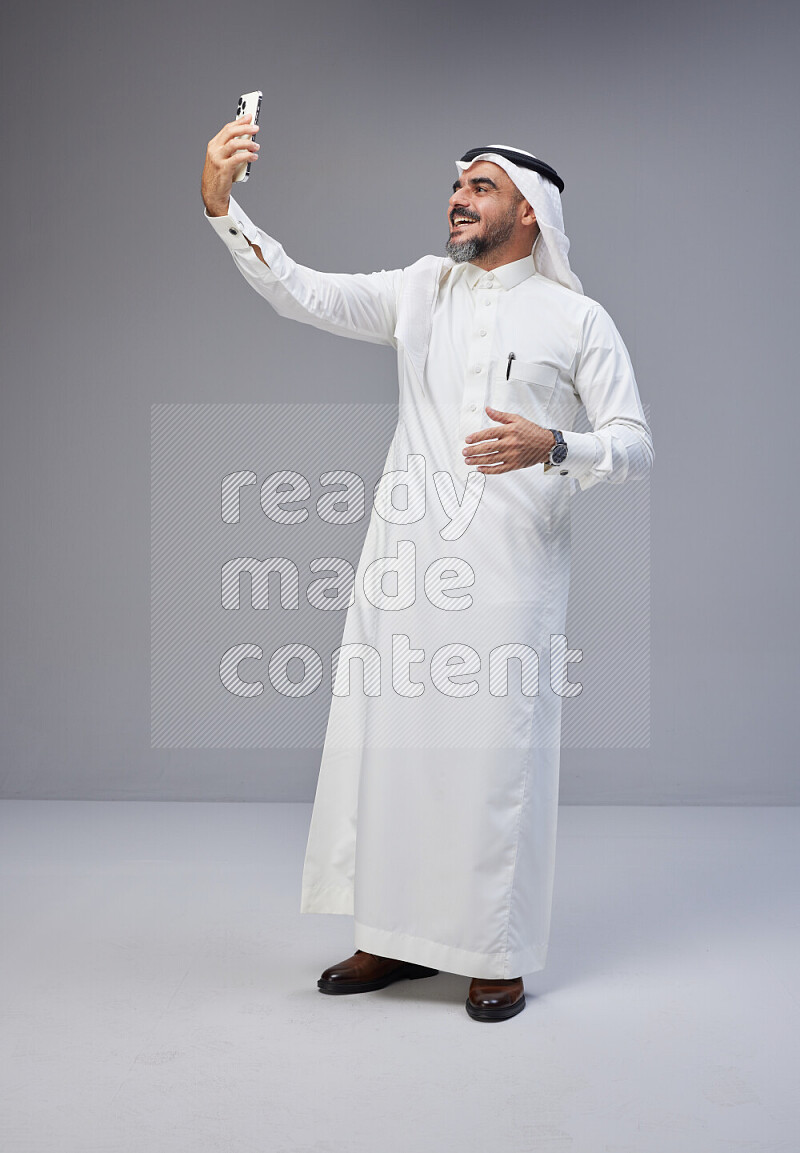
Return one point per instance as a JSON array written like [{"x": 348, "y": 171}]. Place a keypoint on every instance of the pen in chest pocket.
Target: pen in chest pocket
[{"x": 511, "y": 356}]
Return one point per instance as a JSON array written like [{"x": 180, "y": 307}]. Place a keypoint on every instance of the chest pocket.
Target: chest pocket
[{"x": 528, "y": 390}]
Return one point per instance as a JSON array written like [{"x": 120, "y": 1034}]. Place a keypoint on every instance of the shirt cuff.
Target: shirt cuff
[
  {"x": 235, "y": 229},
  {"x": 581, "y": 456}
]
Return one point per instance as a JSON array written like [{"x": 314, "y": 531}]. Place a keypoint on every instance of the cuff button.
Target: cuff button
[
  {"x": 565, "y": 472},
  {"x": 233, "y": 232}
]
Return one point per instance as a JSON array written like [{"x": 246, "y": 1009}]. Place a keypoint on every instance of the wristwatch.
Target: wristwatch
[{"x": 558, "y": 453}]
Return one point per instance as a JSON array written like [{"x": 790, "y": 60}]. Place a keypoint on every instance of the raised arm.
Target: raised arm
[{"x": 362, "y": 306}]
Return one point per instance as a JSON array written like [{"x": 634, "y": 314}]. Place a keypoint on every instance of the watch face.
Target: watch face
[{"x": 558, "y": 453}]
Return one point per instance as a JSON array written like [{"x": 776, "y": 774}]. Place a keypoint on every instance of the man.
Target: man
[{"x": 434, "y": 819}]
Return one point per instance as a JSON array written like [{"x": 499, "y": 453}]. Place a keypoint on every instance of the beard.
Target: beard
[{"x": 494, "y": 237}]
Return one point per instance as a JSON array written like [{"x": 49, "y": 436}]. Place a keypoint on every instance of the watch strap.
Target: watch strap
[{"x": 559, "y": 441}]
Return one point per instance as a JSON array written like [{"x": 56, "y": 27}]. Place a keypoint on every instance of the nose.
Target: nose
[{"x": 459, "y": 199}]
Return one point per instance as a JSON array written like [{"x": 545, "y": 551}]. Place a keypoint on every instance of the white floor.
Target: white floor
[{"x": 159, "y": 993}]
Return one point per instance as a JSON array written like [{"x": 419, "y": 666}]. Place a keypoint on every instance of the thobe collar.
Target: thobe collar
[{"x": 506, "y": 276}]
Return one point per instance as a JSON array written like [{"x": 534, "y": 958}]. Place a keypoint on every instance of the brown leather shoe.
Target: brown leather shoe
[
  {"x": 366, "y": 971},
  {"x": 491, "y": 999}
]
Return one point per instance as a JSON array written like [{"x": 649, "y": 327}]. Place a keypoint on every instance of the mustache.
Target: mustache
[{"x": 466, "y": 215}]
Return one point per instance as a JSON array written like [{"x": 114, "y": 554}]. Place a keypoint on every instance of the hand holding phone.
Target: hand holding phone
[
  {"x": 228, "y": 153},
  {"x": 249, "y": 104}
]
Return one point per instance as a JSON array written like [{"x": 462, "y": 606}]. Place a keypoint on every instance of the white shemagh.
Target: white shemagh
[{"x": 552, "y": 244}]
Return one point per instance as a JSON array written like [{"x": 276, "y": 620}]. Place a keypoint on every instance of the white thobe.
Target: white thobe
[{"x": 434, "y": 820}]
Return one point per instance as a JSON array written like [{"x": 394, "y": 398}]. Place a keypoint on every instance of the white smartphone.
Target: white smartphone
[{"x": 250, "y": 102}]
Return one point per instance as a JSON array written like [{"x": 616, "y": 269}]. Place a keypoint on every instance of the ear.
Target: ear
[{"x": 528, "y": 215}]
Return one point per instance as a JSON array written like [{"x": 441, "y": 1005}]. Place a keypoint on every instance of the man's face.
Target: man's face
[{"x": 483, "y": 212}]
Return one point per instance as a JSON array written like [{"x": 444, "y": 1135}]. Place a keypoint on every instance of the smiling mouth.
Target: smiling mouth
[{"x": 459, "y": 222}]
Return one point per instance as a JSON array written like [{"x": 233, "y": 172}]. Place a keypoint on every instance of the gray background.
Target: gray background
[{"x": 674, "y": 129}]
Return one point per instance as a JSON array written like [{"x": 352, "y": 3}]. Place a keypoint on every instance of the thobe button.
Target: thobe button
[
  {"x": 483, "y": 332},
  {"x": 473, "y": 407},
  {"x": 477, "y": 368},
  {"x": 488, "y": 303},
  {"x": 233, "y": 232}
]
